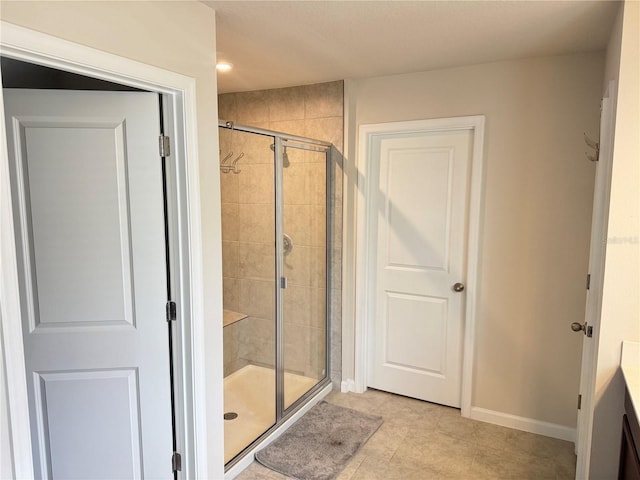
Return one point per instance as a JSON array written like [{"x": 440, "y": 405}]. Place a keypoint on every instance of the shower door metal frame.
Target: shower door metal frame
[
  {"x": 280, "y": 141},
  {"x": 281, "y": 280}
]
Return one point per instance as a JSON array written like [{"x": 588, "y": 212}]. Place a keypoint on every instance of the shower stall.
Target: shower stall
[{"x": 276, "y": 217}]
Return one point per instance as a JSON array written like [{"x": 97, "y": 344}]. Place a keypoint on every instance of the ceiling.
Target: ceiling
[{"x": 275, "y": 44}]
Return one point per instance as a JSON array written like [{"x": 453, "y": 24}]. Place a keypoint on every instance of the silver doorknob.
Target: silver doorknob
[
  {"x": 578, "y": 327},
  {"x": 458, "y": 287}
]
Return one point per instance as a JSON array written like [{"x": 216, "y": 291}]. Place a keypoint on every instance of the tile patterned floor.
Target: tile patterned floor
[{"x": 420, "y": 441}]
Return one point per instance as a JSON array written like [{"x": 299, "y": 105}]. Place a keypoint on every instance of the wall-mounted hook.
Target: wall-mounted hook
[
  {"x": 223, "y": 167},
  {"x": 234, "y": 168},
  {"x": 592, "y": 144},
  {"x": 227, "y": 157}
]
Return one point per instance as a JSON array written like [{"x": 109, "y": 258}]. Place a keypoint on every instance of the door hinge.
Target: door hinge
[
  {"x": 171, "y": 311},
  {"x": 283, "y": 282},
  {"x": 579, "y": 402},
  {"x": 176, "y": 462},
  {"x": 165, "y": 146},
  {"x": 588, "y": 281}
]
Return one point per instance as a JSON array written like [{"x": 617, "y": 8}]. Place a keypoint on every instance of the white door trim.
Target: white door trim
[
  {"x": 31, "y": 46},
  {"x": 365, "y": 270}
]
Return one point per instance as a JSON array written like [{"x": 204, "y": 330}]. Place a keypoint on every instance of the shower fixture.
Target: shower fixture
[
  {"x": 285, "y": 157},
  {"x": 287, "y": 244}
]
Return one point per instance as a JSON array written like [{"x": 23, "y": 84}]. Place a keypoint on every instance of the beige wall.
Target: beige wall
[
  {"x": 620, "y": 317},
  {"x": 314, "y": 111},
  {"x": 537, "y": 215},
  {"x": 135, "y": 30}
]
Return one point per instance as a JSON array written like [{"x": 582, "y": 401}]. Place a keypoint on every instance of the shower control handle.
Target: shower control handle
[
  {"x": 458, "y": 287},
  {"x": 287, "y": 244}
]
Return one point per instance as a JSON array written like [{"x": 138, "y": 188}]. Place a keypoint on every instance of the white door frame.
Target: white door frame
[
  {"x": 365, "y": 228},
  {"x": 24, "y": 44}
]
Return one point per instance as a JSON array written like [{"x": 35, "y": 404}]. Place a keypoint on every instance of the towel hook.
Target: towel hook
[
  {"x": 234, "y": 168},
  {"x": 592, "y": 144},
  {"x": 227, "y": 157}
]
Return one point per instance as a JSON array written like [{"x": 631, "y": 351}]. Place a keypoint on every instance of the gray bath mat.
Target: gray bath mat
[{"x": 319, "y": 445}]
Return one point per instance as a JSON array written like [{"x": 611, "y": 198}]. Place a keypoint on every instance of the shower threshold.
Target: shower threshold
[{"x": 250, "y": 393}]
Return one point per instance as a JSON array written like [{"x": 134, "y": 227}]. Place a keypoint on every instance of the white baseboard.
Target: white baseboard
[
  {"x": 530, "y": 425},
  {"x": 234, "y": 471},
  {"x": 348, "y": 385},
  {"x": 525, "y": 424}
]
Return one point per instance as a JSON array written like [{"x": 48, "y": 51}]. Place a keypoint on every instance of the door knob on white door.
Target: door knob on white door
[
  {"x": 458, "y": 287},
  {"x": 582, "y": 327},
  {"x": 579, "y": 327}
]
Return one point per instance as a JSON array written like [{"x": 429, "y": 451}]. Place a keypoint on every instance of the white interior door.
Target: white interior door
[
  {"x": 602, "y": 190},
  {"x": 88, "y": 189},
  {"x": 422, "y": 205}
]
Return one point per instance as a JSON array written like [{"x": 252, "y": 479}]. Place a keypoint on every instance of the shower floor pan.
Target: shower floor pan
[{"x": 250, "y": 393}]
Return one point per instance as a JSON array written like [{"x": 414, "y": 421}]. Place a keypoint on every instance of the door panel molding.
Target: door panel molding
[
  {"x": 397, "y": 174},
  {"x": 366, "y": 229},
  {"x": 42, "y": 319},
  {"x": 80, "y": 392},
  {"x": 431, "y": 361}
]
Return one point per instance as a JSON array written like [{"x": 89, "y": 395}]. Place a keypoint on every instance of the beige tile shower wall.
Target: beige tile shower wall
[
  {"x": 314, "y": 111},
  {"x": 305, "y": 266},
  {"x": 247, "y": 190}
]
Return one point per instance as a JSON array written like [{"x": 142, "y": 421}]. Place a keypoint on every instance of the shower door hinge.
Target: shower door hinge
[
  {"x": 176, "y": 462},
  {"x": 579, "y": 402},
  {"x": 165, "y": 146},
  {"x": 171, "y": 311},
  {"x": 283, "y": 282},
  {"x": 588, "y": 281}
]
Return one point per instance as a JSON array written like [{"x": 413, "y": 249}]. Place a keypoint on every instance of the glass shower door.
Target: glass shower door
[
  {"x": 274, "y": 248},
  {"x": 249, "y": 334},
  {"x": 304, "y": 267}
]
